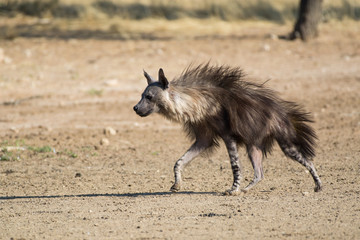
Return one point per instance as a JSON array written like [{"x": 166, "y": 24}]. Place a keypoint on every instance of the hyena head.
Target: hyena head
[{"x": 152, "y": 99}]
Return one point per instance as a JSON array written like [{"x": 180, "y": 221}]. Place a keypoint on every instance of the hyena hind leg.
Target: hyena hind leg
[
  {"x": 292, "y": 152},
  {"x": 256, "y": 156}
]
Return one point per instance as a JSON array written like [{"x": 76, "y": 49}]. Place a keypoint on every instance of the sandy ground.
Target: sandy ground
[{"x": 62, "y": 94}]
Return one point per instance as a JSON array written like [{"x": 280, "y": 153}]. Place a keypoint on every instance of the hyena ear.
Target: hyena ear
[
  {"x": 162, "y": 79},
  {"x": 148, "y": 78}
]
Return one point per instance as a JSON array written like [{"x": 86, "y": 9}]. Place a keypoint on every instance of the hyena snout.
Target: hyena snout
[
  {"x": 136, "y": 108},
  {"x": 142, "y": 110}
]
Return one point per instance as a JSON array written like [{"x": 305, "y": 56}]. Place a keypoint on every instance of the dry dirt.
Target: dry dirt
[{"x": 57, "y": 96}]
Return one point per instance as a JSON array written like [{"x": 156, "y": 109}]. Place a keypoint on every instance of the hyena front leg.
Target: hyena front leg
[
  {"x": 180, "y": 164},
  {"x": 256, "y": 156},
  {"x": 235, "y": 165}
]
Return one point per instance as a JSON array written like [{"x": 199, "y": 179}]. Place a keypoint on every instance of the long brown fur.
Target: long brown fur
[
  {"x": 253, "y": 113},
  {"x": 216, "y": 102}
]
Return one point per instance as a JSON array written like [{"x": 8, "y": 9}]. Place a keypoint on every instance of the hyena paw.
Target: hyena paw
[
  {"x": 318, "y": 188},
  {"x": 232, "y": 192},
  {"x": 175, "y": 187}
]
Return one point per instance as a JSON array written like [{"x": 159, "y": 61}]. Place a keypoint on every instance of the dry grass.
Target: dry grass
[{"x": 151, "y": 18}]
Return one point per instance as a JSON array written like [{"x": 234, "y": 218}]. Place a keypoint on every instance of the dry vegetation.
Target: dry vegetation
[{"x": 150, "y": 18}]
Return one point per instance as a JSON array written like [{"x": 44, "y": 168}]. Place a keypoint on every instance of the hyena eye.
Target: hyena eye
[{"x": 148, "y": 97}]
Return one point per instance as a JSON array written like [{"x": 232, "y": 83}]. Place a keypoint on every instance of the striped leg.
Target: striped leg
[
  {"x": 180, "y": 164},
  {"x": 292, "y": 152},
  {"x": 235, "y": 166}
]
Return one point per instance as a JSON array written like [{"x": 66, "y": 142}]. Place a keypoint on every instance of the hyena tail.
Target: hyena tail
[
  {"x": 298, "y": 142},
  {"x": 305, "y": 136},
  {"x": 297, "y": 137}
]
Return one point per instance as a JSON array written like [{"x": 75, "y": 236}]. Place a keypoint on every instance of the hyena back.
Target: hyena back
[{"x": 215, "y": 102}]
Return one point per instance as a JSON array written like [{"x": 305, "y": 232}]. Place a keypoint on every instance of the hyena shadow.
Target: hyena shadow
[{"x": 120, "y": 195}]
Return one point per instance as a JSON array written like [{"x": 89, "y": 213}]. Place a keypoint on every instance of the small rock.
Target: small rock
[
  {"x": 109, "y": 131},
  {"x": 77, "y": 175},
  {"x": 104, "y": 142},
  {"x": 305, "y": 193},
  {"x": 14, "y": 129},
  {"x": 266, "y": 47},
  {"x": 45, "y": 128}
]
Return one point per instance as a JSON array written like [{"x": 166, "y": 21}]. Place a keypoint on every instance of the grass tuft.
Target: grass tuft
[
  {"x": 43, "y": 149},
  {"x": 95, "y": 92},
  {"x": 41, "y": 8},
  {"x": 6, "y": 156}
]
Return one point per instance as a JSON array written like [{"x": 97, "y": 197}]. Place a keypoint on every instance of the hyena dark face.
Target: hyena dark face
[
  {"x": 147, "y": 104},
  {"x": 152, "y": 96}
]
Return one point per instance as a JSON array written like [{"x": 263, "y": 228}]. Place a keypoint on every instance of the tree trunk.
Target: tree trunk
[{"x": 308, "y": 19}]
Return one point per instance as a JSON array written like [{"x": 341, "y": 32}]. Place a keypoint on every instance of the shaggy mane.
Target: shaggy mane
[{"x": 205, "y": 75}]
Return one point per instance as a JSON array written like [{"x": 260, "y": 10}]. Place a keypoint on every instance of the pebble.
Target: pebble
[
  {"x": 266, "y": 47},
  {"x": 14, "y": 129},
  {"x": 45, "y": 128},
  {"x": 77, "y": 175},
  {"x": 104, "y": 142},
  {"x": 109, "y": 131}
]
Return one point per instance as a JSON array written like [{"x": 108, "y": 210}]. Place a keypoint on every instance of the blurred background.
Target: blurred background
[{"x": 152, "y": 19}]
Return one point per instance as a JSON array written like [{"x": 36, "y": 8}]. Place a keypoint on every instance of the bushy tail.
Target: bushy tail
[{"x": 305, "y": 137}]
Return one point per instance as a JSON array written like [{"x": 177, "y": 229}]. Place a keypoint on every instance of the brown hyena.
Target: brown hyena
[{"x": 215, "y": 102}]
